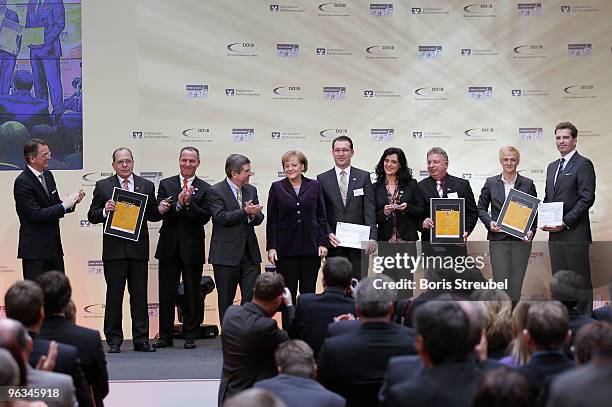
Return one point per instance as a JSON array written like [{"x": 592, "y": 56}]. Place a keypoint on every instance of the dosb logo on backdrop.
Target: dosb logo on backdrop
[
  {"x": 579, "y": 50},
  {"x": 530, "y": 133},
  {"x": 287, "y": 50},
  {"x": 243, "y": 135},
  {"x": 328, "y": 135},
  {"x": 480, "y": 134},
  {"x": 153, "y": 176},
  {"x": 528, "y": 51},
  {"x": 529, "y": 9},
  {"x": 333, "y": 10},
  {"x": 287, "y": 92},
  {"x": 430, "y": 93},
  {"x": 388, "y": 51},
  {"x": 381, "y": 10},
  {"x": 90, "y": 178},
  {"x": 95, "y": 267},
  {"x": 241, "y": 49},
  {"x": 94, "y": 311},
  {"x": 584, "y": 91},
  {"x": 479, "y": 10},
  {"x": 196, "y": 91},
  {"x": 480, "y": 92},
  {"x": 382, "y": 135},
  {"x": 197, "y": 135},
  {"x": 334, "y": 92},
  {"x": 430, "y": 52}
]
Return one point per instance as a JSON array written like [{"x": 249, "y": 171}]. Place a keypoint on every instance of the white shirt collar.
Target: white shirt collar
[
  {"x": 511, "y": 182},
  {"x": 189, "y": 180},
  {"x": 339, "y": 170},
  {"x": 36, "y": 172},
  {"x": 130, "y": 179},
  {"x": 569, "y": 156}
]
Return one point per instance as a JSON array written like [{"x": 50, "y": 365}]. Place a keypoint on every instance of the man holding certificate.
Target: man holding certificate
[
  {"x": 125, "y": 202},
  {"x": 509, "y": 254},
  {"x": 349, "y": 204},
  {"x": 570, "y": 180}
]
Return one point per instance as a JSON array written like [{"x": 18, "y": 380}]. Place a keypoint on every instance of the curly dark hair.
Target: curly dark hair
[{"x": 404, "y": 175}]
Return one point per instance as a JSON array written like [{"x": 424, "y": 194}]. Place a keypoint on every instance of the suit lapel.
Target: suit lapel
[
  {"x": 38, "y": 185},
  {"x": 229, "y": 195},
  {"x": 138, "y": 184},
  {"x": 431, "y": 185},
  {"x": 449, "y": 187},
  {"x": 351, "y": 185},
  {"x": 566, "y": 170},
  {"x": 335, "y": 187}
]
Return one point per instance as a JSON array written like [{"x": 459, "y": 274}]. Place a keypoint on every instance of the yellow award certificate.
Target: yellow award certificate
[
  {"x": 125, "y": 217},
  {"x": 517, "y": 216},
  {"x": 448, "y": 223}
]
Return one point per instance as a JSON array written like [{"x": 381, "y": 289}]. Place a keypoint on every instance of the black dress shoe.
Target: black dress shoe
[
  {"x": 144, "y": 347},
  {"x": 163, "y": 343},
  {"x": 114, "y": 349},
  {"x": 189, "y": 344}
]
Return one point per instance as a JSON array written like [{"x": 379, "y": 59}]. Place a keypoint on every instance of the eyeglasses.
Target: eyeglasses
[
  {"x": 342, "y": 150},
  {"x": 124, "y": 162},
  {"x": 46, "y": 155}
]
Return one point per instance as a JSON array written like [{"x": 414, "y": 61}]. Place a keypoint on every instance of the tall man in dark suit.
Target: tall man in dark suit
[
  {"x": 571, "y": 180},
  {"x": 234, "y": 251},
  {"x": 125, "y": 260},
  {"x": 349, "y": 198},
  {"x": 250, "y": 336},
  {"x": 180, "y": 249},
  {"x": 40, "y": 208},
  {"x": 509, "y": 256}
]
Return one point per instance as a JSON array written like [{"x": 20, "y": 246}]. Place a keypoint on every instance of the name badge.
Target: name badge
[
  {"x": 452, "y": 195},
  {"x": 358, "y": 192}
]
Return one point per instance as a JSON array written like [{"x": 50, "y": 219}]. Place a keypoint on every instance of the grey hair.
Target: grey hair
[
  {"x": 374, "y": 302},
  {"x": 234, "y": 163},
  {"x": 438, "y": 150}
]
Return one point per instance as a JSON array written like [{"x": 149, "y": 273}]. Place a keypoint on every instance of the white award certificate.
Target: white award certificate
[
  {"x": 550, "y": 214},
  {"x": 352, "y": 235}
]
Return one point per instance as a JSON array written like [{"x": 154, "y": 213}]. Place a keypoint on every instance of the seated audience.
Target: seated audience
[
  {"x": 354, "y": 364},
  {"x": 254, "y": 398},
  {"x": 503, "y": 388},
  {"x": 295, "y": 383},
  {"x": 519, "y": 351},
  {"x": 9, "y": 376},
  {"x": 250, "y": 336},
  {"x": 57, "y": 292},
  {"x": 313, "y": 312},
  {"x": 497, "y": 308}
]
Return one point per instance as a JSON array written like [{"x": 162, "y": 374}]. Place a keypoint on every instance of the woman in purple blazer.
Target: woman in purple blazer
[{"x": 296, "y": 233}]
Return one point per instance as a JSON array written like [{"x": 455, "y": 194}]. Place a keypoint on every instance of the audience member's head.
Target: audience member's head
[
  {"x": 591, "y": 341},
  {"x": 24, "y": 302},
  {"x": 567, "y": 287},
  {"x": 497, "y": 308},
  {"x": 295, "y": 358},
  {"x": 13, "y": 135},
  {"x": 51, "y": 137},
  {"x": 547, "y": 326},
  {"x": 254, "y": 398},
  {"x": 503, "y": 388},
  {"x": 337, "y": 273},
  {"x": 23, "y": 80},
  {"x": 14, "y": 338},
  {"x": 519, "y": 351},
  {"x": 373, "y": 298},
  {"x": 70, "y": 312},
  {"x": 475, "y": 314},
  {"x": 443, "y": 333},
  {"x": 57, "y": 290},
  {"x": 9, "y": 370},
  {"x": 268, "y": 291}
]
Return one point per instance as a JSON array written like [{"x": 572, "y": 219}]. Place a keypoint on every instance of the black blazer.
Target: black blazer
[
  {"x": 39, "y": 214},
  {"x": 541, "y": 369},
  {"x": 460, "y": 186},
  {"x": 89, "y": 349},
  {"x": 576, "y": 189},
  {"x": 297, "y": 224},
  {"x": 298, "y": 391},
  {"x": 116, "y": 248},
  {"x": 313, "y": 312},
  {"x": 249, "y": 340},
  {"x": 232, "y": 232},
  {"x": 408, "y": 221},
  {"x": 354, "y": 364},
  {"x": 67, "y": 362},
  {"x": 493, "y": 193},
  {"x": 183, "y": 230},
  {"x": 359, "y": 209}
]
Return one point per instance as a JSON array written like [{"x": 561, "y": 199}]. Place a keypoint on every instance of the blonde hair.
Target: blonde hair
[
  {"x": 297, "y": 154},
  {"x": 498, "y": 317},
  {"x": 509, "y": 149},
  {"x": 518, "y": 347}
]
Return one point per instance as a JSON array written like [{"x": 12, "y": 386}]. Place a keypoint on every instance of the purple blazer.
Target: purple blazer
[{"x": 297, "y": 224}]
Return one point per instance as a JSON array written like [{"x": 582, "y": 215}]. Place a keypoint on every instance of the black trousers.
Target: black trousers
[
  {"x": 116, "y": 274},
  {"x": 509, "y": 261},
  {"x": 299, "y": 270},
  {"x": 227, "y": 279},
  {"x": 357, "y": 257},
  {"x": 32, "y": 268},
  {"x": 193, "y": 304},
  {"x": 574, "y": 256}
]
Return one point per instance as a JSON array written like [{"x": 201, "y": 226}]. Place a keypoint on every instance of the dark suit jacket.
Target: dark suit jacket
[
  {"x": 39, "y": 215},
  {"x": 313, "y": 312},
  {"x": 358, "y": 209},
  {"x": 249, "y": 340},
  {"x": 183, "y": 230},
  {"x": 542, "y": 368},
  {"x": 116, "y": 248},
  {"x": 587, "y": 385},
  {"x": 25, "y": 109},
  {"x": 89, "y": 350},
  {"x": 448, "y": 384},
  {"x": 462, "y": 187},
  {"x": 51, "y": 16},
  {"x": 297, "y": 224},
  {"x": 67, "y": 362},
  {"x": 408, "y": 221},
  {"x": 493, "y": 193},
  {"x": 232, "y": 230},
  {"x": 298, "y": 391},
  {"x": 354, "y": 364},
  {"x": 576, "y": 189}
]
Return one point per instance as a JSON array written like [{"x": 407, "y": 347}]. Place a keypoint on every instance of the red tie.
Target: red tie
[
  {"x": 125, "y": 185},
  {"x": 184, "y": 183}
]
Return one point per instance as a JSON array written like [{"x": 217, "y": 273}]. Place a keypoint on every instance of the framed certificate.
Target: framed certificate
[
  {"x": 448, "y": 215},
  {"x": 518, "y": 213},
  {"x": 126, "y": 220}
]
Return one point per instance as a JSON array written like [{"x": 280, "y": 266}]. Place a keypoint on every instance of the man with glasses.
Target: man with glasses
[
  {"x": 234, "y": 251},
  {"x": 348, "y": 198},
  {"x": 39, "y": 209},
  {"x": 125, "y": 260}
]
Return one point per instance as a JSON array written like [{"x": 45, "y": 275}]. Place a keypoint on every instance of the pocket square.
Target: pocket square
[{"x": 569, "y": 173}]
